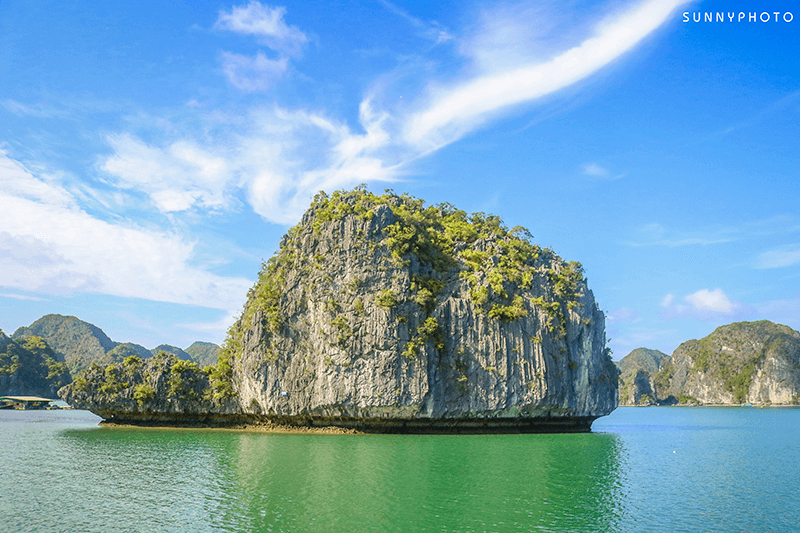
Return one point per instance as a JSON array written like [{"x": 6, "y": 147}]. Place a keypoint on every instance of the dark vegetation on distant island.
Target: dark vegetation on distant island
[
  {"x": 43, "y": 357},
  {"x": 742, "y": 363},
  {"x": 383, "y": 314},
  {"x": 28, "y": 367}
]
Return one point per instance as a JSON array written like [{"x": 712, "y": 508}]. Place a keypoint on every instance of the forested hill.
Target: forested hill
[
  {"x": 744, "y": 362},
  {"x": 30, "y": 367},
  {"x": 78, "y": 344}
]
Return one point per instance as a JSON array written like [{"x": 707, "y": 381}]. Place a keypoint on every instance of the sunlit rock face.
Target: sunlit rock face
[
  {"x": 381, "y": 314},
  {"x": 744, "y": 362}
]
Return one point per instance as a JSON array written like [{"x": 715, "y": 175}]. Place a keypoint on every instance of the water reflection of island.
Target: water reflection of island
[{"x": 351, "y": 483}]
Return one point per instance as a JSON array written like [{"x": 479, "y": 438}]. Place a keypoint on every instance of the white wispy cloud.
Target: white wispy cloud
[
  {"x": 714, "y": 301},
  {"x": 252, "y": 74},
  {"x": 176, "y": 177},
  {"x": 783, "y": 311},
  {"x": 430, "y": 30},
  {"x": 704, "y": 304},
  {"x": 281, "y": 157},
  {"x": 513, "y": 34},
  {"x": 596, "y": 171},
  {"x": 455, "y": 110},
  {"x": 18, "y": 181},
  {"x": 655, "y": 234},
  {"x": 22, "y": 297},
  {"x": 278, "y": 158},
  {"x": 35, "y": 110},
  {"x": 281, "y": 178},
  {"x": 622, "y": 315},
  {"x": 667, "y": 300},
  {"x": 49, "y": 244},
  {"x": 266, "y": 24},
  {"x": 780, "y": 257},
  {"x": 212, "y": 327},
  {"x": 593, "y": 169}
]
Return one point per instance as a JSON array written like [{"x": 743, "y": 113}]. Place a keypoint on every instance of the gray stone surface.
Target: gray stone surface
[
  {"x": 744, "y": 362},
  {"x": 328, "y": 350},
  {"x": 486, "y": 368}
]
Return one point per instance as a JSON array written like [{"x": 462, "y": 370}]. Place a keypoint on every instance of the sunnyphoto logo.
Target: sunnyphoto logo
[{"x": 738, "y": 16}]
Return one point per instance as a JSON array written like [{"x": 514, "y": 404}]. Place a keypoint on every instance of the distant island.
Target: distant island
[
  {"x": 380, "y": 313},
  {"x": 41, "y": 358},
  {"x": 742, "y": 363}
]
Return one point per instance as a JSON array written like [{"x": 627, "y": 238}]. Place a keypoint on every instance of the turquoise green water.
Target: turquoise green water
[{"x": 651, "y": 469}]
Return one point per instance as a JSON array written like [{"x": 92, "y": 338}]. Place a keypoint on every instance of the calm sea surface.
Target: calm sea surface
[{"x": 642, "y": 469}]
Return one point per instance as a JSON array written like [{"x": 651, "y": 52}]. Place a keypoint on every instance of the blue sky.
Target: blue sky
[{"x": 152, "y": 154}]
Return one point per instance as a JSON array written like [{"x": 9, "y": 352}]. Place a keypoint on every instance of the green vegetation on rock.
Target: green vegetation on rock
[
  {"x": 498, "y": 263},
  {"x": 137, "y": 384},
  {"x": 78, "y": 343},
  {"x": 742, "y": 362},
  {"x": 221, "y": 375},
  {"x": 29, "y": 366},
  {"x": 376, "y": 307},
  {"x": 204, "y": 353},
  {"x": 386, "y": 299}
]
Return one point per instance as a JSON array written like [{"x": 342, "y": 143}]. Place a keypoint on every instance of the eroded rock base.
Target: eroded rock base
[{"x": 464, "y": 426}]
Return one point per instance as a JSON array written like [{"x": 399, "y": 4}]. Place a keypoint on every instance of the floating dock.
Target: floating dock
[{"x": 26, "y": 402}]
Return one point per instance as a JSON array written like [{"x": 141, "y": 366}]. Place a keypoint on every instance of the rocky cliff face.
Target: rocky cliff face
[
  {"x": 380, "y": 313},
  {"x": 636, "y": 379},
  {"x": 744, "y": 362}
]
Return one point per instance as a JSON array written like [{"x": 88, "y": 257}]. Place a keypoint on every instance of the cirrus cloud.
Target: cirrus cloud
[
  {"x": 455, "y": 110},
  {"x": 281, "y": 157},
  {"x": 252, "y": 74},
  {"x": 176, "y": 177},
  {"x": 780, "y": 257}
]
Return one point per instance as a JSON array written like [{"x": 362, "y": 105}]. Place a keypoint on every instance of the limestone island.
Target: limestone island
[
  {"x": 382, "y": 314},
  {"x": 744, "y": 363}
]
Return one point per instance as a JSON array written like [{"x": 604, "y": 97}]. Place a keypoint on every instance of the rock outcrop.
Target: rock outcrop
[
  {"x": 743, "y": 362},
  {"x": 174, "y": 350},
  {"x": 162, "y": 388},
  {"x": 637, "y": 377},
  {"x": 379, "y": 313}
]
